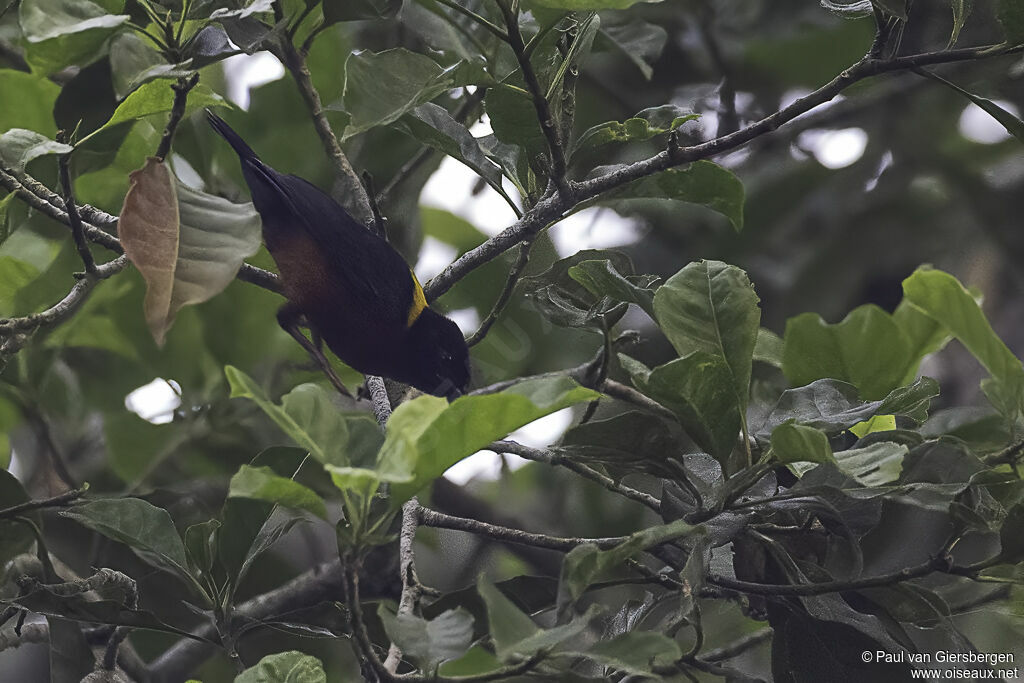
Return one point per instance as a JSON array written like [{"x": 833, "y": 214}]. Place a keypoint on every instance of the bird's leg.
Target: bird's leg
[{"x": 289, "y": 317}]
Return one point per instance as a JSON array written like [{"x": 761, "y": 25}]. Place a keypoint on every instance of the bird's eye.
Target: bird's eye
[{"x": 445, "y": 356}]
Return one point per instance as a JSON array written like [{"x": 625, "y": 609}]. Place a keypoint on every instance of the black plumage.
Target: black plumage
[{"x": 349, "y": 285}]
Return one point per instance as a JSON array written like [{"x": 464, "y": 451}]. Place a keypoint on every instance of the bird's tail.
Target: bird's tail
[{"x": 234, "y": 139}]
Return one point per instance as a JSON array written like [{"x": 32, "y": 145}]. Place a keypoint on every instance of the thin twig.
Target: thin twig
[
  {"x": 433, "y": 518},
  {"x": 75, "y": 221},
  {"x": 553, "y": 458},
  {"x": 941, "y": 563},
  {"x": 181, "y": 89},
  {"x": 630, "y": 395},
  {"x": 344, "y": 173},
  {"x": 506, "y": 293},
  {"x": 407, "y": 565},
  {"x": 540, "y": 103},
  {"x": 64, "y": 308},
  {"x": 728, "y": 120},
  {"x": 550, "y": 209},
  {"x": 738, "y": 646},
  {"x": 54, "y": 502}
]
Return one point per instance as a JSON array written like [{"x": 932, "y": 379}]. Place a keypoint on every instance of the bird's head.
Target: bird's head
[{"x": 440, "y": 356}]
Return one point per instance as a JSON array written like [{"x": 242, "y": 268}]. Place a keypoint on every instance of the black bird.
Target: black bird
[{"x": 349, "y": 285}]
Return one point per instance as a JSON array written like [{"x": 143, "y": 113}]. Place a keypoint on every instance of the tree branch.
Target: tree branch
[
  {"x": 54, "y": 502},
  {"x": 433, "y": 518},
  {"x": 553, "y": 458},
  {"x": 540, "y": 101},
  {"x": 407, "y": 565},
  {"x": 352, "y": 188},
  {"x": 942, "y": 563},
  {"x": 181, "y": 89},
  {"x": 506, "y": 293}
]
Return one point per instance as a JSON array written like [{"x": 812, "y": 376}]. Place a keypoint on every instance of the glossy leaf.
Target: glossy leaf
[
  {"x": 145, "y": 528},
  {"x": 867, "y": 349},
  {"x": 261, "y": 483},
  {"x": 64, "y": 32},
  {"x": 710, "y": 307},
  {"x": 602, "y": 279},
  {"x": 427, "y": 435},
  {"x": 943, "y": 298},
  {"x": 639, "y": 41},
  {"x": 432, "y": 125},
  {"x": 308, "y": 415},
  {"x": 792, "y": 442},
  {"x": 19, "y": 146},
  {"x": 429, "y": 642},
  {"x": 643, "y": 126},
  {"x": 698, "y": 388},
  {"x": 702, "y": 182},
  {"x": 636, "y": 652},
  {"x": 285, "y": 667},
  {"x": 157, "y": 97},
  {"x": 586, "y": 563},
  {"x": 876, "y": 465},
  {"x": 1012, "y": 123},
  {"x": 382, "y": 87}
]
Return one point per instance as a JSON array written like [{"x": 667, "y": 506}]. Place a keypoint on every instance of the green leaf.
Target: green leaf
[
  {"x": 768, "y": 348},
  {"x": 1011, "y": 16},
  {"x": 445, "y": 637},
  {"x": 924, "y": 334},
  {"x": 833, "y": 406},
  {"x": 242, "y": 537},
  {"x": 643, "y": 126},
  {"x": 514, "y": 122},
  {"x": 867, "y": 349},
  {"x": 636, "y": 652},
  {"x": 631, "y": 442},
  {"x": 427, "y": 435},
  {"x": 285, "y": 667},
  {"x": 145, "y": 528},
  {"x": 432, "y": 125},
  {"x": 582, "y": 5},
  {"x": 33, "y": 107},
  {"x": 1013, "y": 124},
  {"x": 638, "y": 41},
  {"x": 157, "y": 97},
  {"x": 261, "y": 483},
  {"x": 702, "y": 182},
  {"x": 382, "y": 87},
  {"x": 698, "y": 388},
  {"x": 876, "y": 465},
  {"x": 514, "y": 634},
  {"x": 584, "y": 564},
  {"x": 64, "y": 32},
  {"x": 602, "y": 279},
  {"x": 309, "y": 417},
  {"x": 710, "y": 307},
  {"x": 450, "y": 229},
  {"x": 508, "y": 624},
  {"x": 19, "y": 146},
  {"x": 941, "y": 296},
  {"x": 878, "y": 423},
  {"x": 792, "y": 442},
  {"x": 201, "y": 545}
]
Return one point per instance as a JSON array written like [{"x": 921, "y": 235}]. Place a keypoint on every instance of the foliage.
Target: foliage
[{"x": 721, "y": 487}]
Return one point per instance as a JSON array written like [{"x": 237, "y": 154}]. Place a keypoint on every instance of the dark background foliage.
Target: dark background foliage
[{"x": 814, "y": 238}]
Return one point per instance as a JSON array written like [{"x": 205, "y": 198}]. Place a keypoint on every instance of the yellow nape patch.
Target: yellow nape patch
[{"x": 419, "y": 300}]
